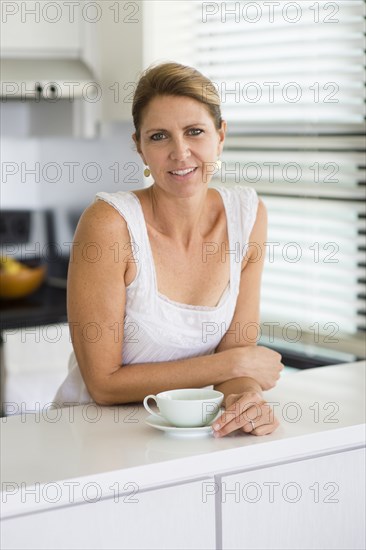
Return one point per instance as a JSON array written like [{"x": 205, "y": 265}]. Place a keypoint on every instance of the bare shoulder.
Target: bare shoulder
[
  {"x": 101, "y": 220},
  {"x": 101, "y": 234}
]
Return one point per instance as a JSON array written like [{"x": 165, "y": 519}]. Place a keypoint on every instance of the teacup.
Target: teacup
[{"x": 187, "y": 408}]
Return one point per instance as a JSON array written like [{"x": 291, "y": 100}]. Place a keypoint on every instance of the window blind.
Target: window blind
[
  {"x": 312, "y": 250},
  {"x": 292, "y": 85},
  {"x": 299, "y": 68}
]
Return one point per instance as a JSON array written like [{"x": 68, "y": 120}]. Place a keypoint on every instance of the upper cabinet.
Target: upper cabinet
[
  {"x": 50, "y": 68},
  {"x": 32, "y": 29},
  {"x": 104, "y": 36}
]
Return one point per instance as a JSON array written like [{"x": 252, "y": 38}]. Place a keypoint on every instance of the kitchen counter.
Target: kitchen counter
[
  {"x": 110, "y": 451},
  {"x": 46, "y": 306}
]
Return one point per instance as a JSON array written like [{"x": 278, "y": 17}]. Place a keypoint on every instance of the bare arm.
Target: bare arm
[
  {"x": 245, "y": 408},
  {"x": 260, "y": 364},
  {"x": 238, "y": 385},
  {"x": 96, "y": 306}
]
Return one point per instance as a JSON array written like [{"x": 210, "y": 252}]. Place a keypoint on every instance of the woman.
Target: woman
[{"x": 162, "y": 284}]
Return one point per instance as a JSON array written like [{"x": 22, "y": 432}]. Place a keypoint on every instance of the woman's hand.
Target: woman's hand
[
  {"x": 247, "y": 412},
  {"x": 258, "y": 362}
]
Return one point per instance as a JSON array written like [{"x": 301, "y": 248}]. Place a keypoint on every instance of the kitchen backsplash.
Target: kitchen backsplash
[{"x": 65, "y": 172}]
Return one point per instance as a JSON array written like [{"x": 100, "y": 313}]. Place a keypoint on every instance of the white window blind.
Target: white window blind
[
  {"x": 292, "y": 84},
  {"x": 304, "y": 70},
  {"x": 312, "y": 251}
]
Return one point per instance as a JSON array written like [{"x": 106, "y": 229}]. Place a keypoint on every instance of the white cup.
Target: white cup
[{"x": 187, "y": 408}]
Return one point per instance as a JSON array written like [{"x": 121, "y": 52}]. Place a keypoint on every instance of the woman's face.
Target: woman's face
[{"x": 178, "y": 133}]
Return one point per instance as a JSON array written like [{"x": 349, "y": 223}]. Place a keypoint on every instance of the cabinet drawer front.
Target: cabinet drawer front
[
  {"x": 174, "y": 517},
  {"x": 309, "y": 504}
]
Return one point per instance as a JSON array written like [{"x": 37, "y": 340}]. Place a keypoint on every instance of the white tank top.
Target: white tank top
[{"x": 157, "y": 328}]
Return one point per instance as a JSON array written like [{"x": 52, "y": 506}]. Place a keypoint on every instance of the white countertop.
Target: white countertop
[{"x": 320, "y": 410}]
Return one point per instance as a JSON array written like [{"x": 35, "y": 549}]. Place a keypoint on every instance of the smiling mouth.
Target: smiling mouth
[{"x": 181, "y": 174}]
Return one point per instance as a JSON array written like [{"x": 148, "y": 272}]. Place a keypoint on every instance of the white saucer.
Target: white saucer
[{"x": 161, "y": 424}]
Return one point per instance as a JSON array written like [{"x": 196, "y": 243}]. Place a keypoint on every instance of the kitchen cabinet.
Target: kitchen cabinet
[
  {"x": 116, "y": 39},
  {"x": 106, "y": 35},
  {"x": 50, "y": 53},
  {"x": 307, "y": 504},
  {"x": 155, "y": 519},
  {"x": 33, "y": 29},
  {"x": 299, "y": 487}
]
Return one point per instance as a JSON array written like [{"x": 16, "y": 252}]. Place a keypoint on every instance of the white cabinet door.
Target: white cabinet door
[
  {"x": 34, "y": 28},
  {"x": 34, "y": 365},
  {"x": 310, "y": 504},
  {"x": 173, "y": 518}
]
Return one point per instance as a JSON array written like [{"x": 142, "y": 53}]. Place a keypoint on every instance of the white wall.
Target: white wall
[
  {"x": 14, "y": 192},
  {"x": 56, "y": 186}
]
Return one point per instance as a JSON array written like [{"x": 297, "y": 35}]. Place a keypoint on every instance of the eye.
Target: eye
[
  {"x": 192, "y": 131},
  {"x": 154, "y": 136},
  {"x": 196, "y": 130}
]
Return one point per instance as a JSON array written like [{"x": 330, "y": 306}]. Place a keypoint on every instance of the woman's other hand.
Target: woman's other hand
[
  {"x": 258, "y": 362},
  {"x": 247, "y": 412}
]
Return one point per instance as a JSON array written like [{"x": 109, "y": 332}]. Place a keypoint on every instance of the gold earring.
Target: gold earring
[
  {"x": 147, "y": 172},
  {"x": 218, "y": 164}
]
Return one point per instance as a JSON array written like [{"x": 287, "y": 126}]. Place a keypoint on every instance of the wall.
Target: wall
[
  {"x": 64, "y": 173},
  {"x": 60, "y": 184}
]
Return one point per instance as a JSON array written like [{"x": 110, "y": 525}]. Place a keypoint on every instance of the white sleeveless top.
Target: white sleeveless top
[{"x": 157, "y": 328}]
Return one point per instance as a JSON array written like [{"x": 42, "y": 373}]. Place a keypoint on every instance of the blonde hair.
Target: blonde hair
[{"x": 174, "y": 79}]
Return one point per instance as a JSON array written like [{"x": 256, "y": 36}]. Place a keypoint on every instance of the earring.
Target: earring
[
  {"x": 218, "y": 164},
  {"x": 147, "y": 172}
]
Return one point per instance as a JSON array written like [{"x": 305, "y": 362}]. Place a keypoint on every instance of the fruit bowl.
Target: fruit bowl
[{"x": 18, "y": 279}]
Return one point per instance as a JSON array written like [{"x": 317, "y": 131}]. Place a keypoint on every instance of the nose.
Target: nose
[{"x": 180, "y": 150}]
